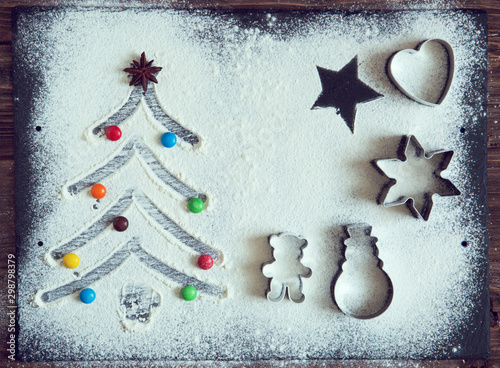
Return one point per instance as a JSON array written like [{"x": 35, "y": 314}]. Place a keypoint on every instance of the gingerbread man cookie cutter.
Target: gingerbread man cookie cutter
[{"x": 285, "y": 270}]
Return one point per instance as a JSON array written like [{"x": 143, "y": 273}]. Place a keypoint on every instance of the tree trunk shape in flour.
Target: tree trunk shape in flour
[{"x": 361, "y": 289}]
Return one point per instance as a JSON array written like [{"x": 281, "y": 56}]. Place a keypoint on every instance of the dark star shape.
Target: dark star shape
[
  {"x": 142, "y": 72},
  {"x": 343, "y": 90}
]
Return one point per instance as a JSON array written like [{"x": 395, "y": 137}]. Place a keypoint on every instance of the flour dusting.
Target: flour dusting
[{"x": 244, "y": 83}]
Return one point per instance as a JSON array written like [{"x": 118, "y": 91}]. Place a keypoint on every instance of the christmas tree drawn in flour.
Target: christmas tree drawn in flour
[{"x": 133, "y": 196}]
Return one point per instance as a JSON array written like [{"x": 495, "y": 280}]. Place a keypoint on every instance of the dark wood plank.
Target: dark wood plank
[{"x": 7, "y": 235}]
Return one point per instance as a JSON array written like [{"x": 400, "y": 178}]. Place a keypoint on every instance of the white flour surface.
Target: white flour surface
[{"x": 245, "y": 84}]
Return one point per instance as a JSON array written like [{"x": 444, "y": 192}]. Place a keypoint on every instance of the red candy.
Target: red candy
[
  {"x": 113, "y": 133},
  {"x": 205, "y": 262}
]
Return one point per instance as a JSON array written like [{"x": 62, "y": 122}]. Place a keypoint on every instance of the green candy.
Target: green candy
[
  {"x": 189, "y": 293},
  {"x": 195, "y": 205}
]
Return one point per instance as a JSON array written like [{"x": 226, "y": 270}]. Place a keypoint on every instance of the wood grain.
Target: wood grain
[{"x": 7, "y": 234}]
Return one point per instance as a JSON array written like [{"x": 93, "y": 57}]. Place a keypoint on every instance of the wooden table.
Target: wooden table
[{"x": 7, "y": 234}]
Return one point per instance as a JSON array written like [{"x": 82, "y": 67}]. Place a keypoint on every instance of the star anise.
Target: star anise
[{"x": 142, "y": 72}]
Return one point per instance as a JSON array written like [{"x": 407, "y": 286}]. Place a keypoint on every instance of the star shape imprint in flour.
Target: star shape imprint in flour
[
  {"x": 343, "y": 90},
  {"x": 415, "y": 178}
]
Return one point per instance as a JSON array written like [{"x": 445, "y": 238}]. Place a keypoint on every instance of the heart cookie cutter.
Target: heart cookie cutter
[{"x": 451, "y": 71}]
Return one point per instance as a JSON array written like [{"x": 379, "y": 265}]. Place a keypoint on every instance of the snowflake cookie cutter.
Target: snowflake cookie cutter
[
  {"x": 449, "y": 80},
  {"x": 283, "y": 280},
  {"x": 442, "y": 158}
]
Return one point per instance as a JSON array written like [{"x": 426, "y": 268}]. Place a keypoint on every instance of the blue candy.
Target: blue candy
[
  {"x": 87, "y": 296},
  {"x": 169, "y": 139}
]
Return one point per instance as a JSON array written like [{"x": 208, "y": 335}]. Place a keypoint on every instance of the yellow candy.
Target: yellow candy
[{"x": 71, "y": 260}]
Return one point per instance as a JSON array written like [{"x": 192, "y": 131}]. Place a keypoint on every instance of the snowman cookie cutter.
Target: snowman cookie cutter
[
  {"x": 449, "y": 79},
  {"x": 361, "y": 288},
  {"x": 285, "y": 270}
]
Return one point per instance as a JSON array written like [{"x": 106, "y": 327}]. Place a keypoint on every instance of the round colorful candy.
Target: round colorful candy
[
  {"x": 169, "y": 139},
  {"x": 113, "y": 133},
  {"x": 195, "y": 205},
  {"x": 120, "y": 223},
  {"x": 98, "y": 191},
  {"x": 189, "y": 293},
  {"x": 87, "y": 295},
  {"x": 205, "y": 262},
  {"x": 71, "y": 260}
]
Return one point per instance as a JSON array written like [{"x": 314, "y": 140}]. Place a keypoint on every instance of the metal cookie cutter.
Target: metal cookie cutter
[
  {"x": 442, "y": 159},
  {"x": 285, "y": 270},
  {"x": 361, "y": 288},
  {"x": 451, "y": 71}
]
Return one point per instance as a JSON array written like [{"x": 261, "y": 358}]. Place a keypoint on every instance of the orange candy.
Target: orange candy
[{"x": 98, "y": 191}]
